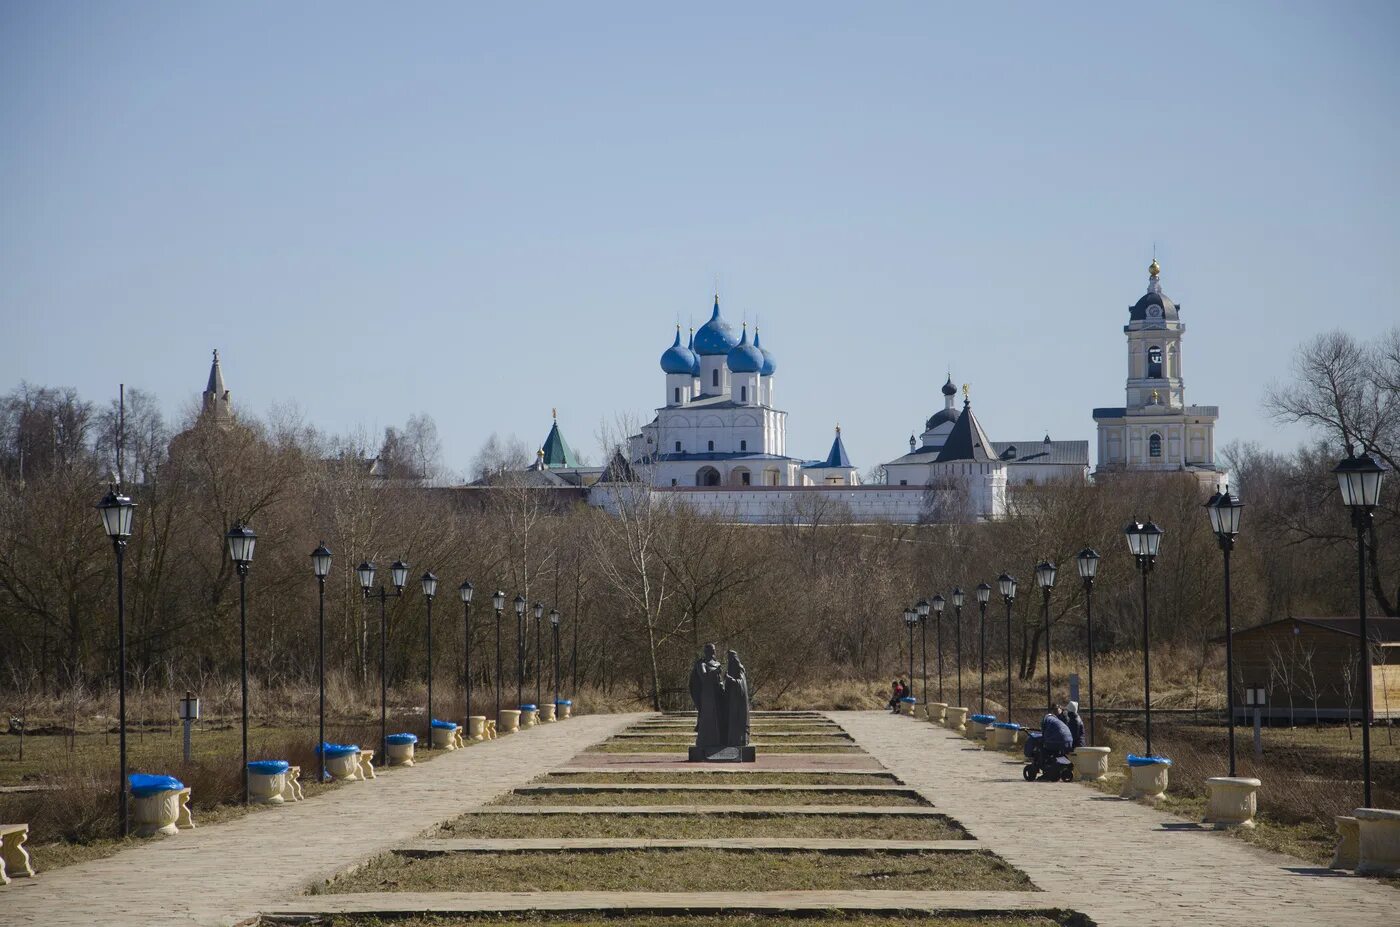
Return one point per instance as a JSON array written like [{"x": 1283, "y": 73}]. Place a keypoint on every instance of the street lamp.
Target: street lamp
[
  {"x": 1088, "y": 562},
  {"x": 398, "y": 574},
  {"x": 539, "y": 694},
  {"x": 1006, "y": 585},
  {"x": 958, "y": 600},
  {"x": 464, "y": 592},
  {"x": 1224, "y": 510},
  {"x": 984, "y": 592},
  {"x": 241, "y": 541},
  {"x": 117, "y": 511},
  {"x": 321, "y": 566},
  {"x": 921, "y": 609},
  {"x": 519, "y": 650},
  {"x": 554, "y": 631},
  {"x": 498, "y": 602},
  {"x": 429, "y": 582},
  {"x": 939, "y": 604},
  {"x": 910, "y": 616},
  {"x": 1045, "y": 578},
  {"x": 1143, "y": 541},
  {"x": 1359, "y": 479}
]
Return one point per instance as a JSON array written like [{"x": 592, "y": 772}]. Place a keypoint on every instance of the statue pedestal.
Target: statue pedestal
[{"x": 723, "y": 754}]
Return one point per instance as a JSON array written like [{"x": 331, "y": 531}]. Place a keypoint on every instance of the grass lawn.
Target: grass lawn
[
  {"x": 700, "y": 826},
  {"x": 715, "y": 797},
  {"x": 718, "y": 778},
  {"x": 690, "y": 920},
  {"x": 681, "y": 871},
  {"x": 645, "y": 746}
]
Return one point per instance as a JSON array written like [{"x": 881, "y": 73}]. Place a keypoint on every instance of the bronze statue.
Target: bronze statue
[
  {"x": 707, "y": 691},
  {"x": 721, "y": 696},
  {"x": 736, "y": 701}
]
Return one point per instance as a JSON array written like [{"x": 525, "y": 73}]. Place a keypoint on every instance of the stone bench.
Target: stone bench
[
  {"x": 291, "y": 789},
  {"x": 1379, "y": 841},
  {"x": 14, "y": 858}
]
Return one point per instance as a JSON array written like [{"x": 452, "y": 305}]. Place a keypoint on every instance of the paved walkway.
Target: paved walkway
[
  {"x": 227, "y": 873},
  {"x": 1121, "y": 863}
]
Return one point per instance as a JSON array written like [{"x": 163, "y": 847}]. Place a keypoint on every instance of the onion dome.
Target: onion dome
[
  {"x": 770, "y": 366},
  {"x": 1154, "y": 306},
  {"x": 678, "y": 359},
  {"x": 948, "y": 388},
  {"x": 715, "y": 337},
  {"x": 744, "y": 357},
  {"x": 695, "y": 358}
]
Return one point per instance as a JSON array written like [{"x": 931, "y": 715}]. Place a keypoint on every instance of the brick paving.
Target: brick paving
[
  {"x": 230, "y": 872},
  {"x": 1121, "y": 863}
]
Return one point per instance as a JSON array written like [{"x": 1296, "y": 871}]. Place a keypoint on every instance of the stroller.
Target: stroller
[{"x": 1049, "y": 765}]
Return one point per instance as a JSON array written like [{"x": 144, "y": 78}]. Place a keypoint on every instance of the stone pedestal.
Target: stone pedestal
[
  {"x": 1348, "y": 843},
  {"x": 156, "y": 814},
  {"x": 1380, "y": 841},
  {"x": 445, "y": 738},
  {"x": 547, "y": 712},
  {"x": 746, "y": 754},
  {"x": 955, "y": 719},
  {"x": 937, "y": 711},
  {"x": 508, "y": 721},
  {"x": 1091, "y": 763},
  {"x": 476, "y": 728},
  {"x": 1145, "y": 783},
  {"x": 1232, "y": 802}
]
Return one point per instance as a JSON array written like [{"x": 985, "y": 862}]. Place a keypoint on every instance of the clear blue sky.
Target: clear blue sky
[{"x": 485, "y": 212}]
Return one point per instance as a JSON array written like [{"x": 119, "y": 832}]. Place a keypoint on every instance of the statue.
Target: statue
[
  {"x": 736, "y": 701},
  {"x": 707, "y": 691},
  {"x": 721, "y": 696}
]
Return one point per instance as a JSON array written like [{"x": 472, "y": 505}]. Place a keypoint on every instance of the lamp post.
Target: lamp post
[
  {"x": 1143, "y": 541},
  {"x": 498, "y": 602},
  {"x": 1006, "y": 585},
  {"x": 464, "y": 592},
  {"x": 321, "y": 566},
  {"x": 539, "y": 693},
  {"x": 939, "y": 604},
  {"x": 984, "y": 592},
  {"x": 398, "y": 574},
  {"x": 1224, "y": 510},
  {"x": 958, "y": 600},
  {"x": 910, "y": 616},
  {"x": 1088, "y": 562},
  {"x": 1359, "y": 479},
  {"x": 519, "y": 650},
  {"x": 921, "y": 610},
  {"x": 241, "y": 540},
  {"x": 554, "y": 631},
  {"x": 117, "y": 511},
  {"x": 429, "y": 582},
  {"x": 938, "y": 645},
  {"x": 1045, "y": 577}
]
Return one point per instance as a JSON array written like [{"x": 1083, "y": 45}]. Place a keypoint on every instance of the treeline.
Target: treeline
[{"x": 638, "y": 592}]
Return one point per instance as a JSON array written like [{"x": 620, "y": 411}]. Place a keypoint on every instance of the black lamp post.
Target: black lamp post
[
  {"x": 910, "y": 616},
  {"x": 921, "y": 610},
  {"x": 1225, "y": 510},
  {"x": 1045, "y": 578},
  {"x": 554, "y": 632},
  {"x": 117, "y": 511},
  {"x": 498, "y": 602},
  {"x": 429, "y": 582},
  {"x": 464, "y": 592},
  {"x": 241, "y": 541},
  {"x": 398, "y": 574},
  {"x": 1006, "y": 585},
  {"x": 321, "y": 566},
  {"x": 519, "y": 650},
  {"x": 984, "y": 592},
  {"x": 1143, "y": 541},
  {"x": 1359, "y": 479},
  {"x": 1088, "y": 562},
  {"x": 939, "y": 604},
  {"x": 938, "y": 646},
  {"x": 539, "y": 692},
  {"x": 957, "y": 627}
]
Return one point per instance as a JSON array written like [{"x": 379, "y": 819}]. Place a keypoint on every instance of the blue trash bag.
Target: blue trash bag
[
  {"x": 400, "y": 740},
  {"x": 983, "y": 719},
  {"x": 1134, "y": 760},
  {"x": 528, "y": 706},
  {"x": 336, "y": 751},
  {"x": 445, "y": 725},
  {"x": 144, "y": 785},
  {"x": 268, "y": 767}
]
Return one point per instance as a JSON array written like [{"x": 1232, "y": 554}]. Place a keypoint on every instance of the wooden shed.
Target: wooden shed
[{"x": 1310, "y": 668}]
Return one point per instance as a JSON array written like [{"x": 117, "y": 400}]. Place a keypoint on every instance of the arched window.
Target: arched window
[
  {"x": 678, "y": 447},
  {"x": 714, "y": 377},
  {"x": 1154, "y": 363},
  {"x": 707, "y": 476},
  {"x": 743, "y": 445},
  {"x": 711, "y": 445},
  {"x": 743, "y": 394},
  {"x": 678, "y": 395},
  {"x": 1154, "y": 445}
]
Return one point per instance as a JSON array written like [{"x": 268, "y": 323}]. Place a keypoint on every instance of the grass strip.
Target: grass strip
[
  {"x": 563, "y": 919},
  {"x": 714, "y": 797},
  {"x": 641, "y": 746},
  {"x": 716, "y": 778},
  {"x": 684, "y": 826}
]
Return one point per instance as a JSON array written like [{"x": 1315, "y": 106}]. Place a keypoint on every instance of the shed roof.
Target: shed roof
[{"x": 1379, "y": 630}]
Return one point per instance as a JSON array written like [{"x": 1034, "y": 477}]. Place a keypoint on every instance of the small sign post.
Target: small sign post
[
  {"x": 1256, "y": 697},
  {"x": 1074, "y": 687},
  {"x": 189, "y": 714}
]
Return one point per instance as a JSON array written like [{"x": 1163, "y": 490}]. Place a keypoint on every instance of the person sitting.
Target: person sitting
[
  {"x": 896, "y": 693},
  {"x": 1075, "y": 725}
]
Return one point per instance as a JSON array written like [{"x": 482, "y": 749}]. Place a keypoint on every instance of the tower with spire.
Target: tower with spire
[
  {"x": 216, "y": 403},
  {"x": 1156, "y": 430}
]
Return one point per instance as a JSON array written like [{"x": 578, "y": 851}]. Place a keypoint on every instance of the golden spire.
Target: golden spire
[
  {"x": 554, "y": 412},
  {"x": 967, "y": 388},
  {"x": 1154, "y": 269}
]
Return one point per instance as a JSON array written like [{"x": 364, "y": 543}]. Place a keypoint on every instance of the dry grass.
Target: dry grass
[
  {"x": 765, "y": 919},
  {"x": 699, "y": 826},
  {"x": 622, "y": 746},
  {"x": 683, "y": 871},
  {"x": 710, "y": 778},
  {"x": 711, "y": 797}
]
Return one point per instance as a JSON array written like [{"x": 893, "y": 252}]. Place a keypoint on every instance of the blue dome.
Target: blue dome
[
  {"x": 769, "y": 365},
  {"x": 715, "y": 336},
  {"x": 744, "y": 357},
  {"x": 695, "y": 358},
  {"x": 677, "y": 359}
]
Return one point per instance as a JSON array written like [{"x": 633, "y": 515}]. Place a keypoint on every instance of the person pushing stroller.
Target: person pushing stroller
[{"x": 1048, "y": 750}]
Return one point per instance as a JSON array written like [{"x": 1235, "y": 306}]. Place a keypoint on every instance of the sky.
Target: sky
[{"x": 483, "y": 212}]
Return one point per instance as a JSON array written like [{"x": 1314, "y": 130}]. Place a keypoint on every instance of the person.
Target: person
[
  {"x": 1075, "y": 724},
  {"x": 1057, "y": 738},
  {"x": 896, "y": 693}
]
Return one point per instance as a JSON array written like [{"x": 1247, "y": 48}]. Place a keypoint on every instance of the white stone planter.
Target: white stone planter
[
  {"x": 937, "y": 711},
  {"x": 1348, "y": 843},
  {"x": 445, "y": 738},
  {"x": 158, "y": 813},
  {"x": 1091, "y": 763},
  {"x": 1380, "y": 841},
  {"x": 955, "y": 719},
  {"x": 266, "y": 789},
  {"x": 1007, "y": 738},
  {"x": 906, "y": 707},
  {"x": 547, "y": 712},
  {"x": 976, "y": 730},
  {"x": 566, "y": 708},
  {"x": 508, "y": 721},
  {"x": 1146, "y": 783},
  {"x": 344, "y": 768},
  {"x": 1232, "y": 802},
  {"x": 529, "y": 717},
  {"x": 399, "y": 754},
  {"x": 476, "y": 728}
]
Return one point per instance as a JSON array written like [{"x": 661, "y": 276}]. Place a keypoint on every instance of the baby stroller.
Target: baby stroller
[{"x": 1049, "y": 765}]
